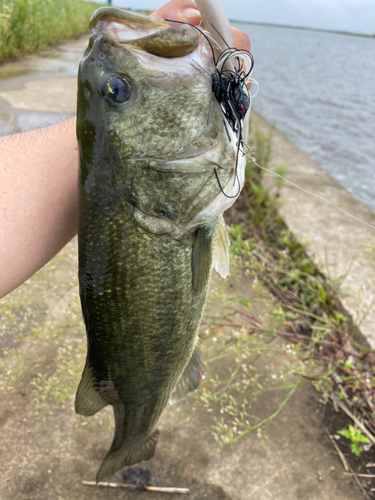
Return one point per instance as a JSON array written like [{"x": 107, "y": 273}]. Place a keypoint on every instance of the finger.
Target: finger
[
  {"x": 184, "y": 10},
  {"x": 241, "y": 40},
  {"x": 181, "y": 10}
]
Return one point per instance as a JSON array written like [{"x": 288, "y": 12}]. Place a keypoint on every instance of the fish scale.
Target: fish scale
[{"x": 151, "y": 317}]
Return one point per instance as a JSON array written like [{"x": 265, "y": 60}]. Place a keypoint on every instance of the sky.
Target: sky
[{"x": 356, "y": 16}]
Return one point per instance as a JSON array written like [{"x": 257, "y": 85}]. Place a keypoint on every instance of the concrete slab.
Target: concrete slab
[
  {"x": 50, "y": 94},
  {"x": 14, "y": 121},
  {"x": 61, "y": 60},
  {"x": 341, "y": 245},
  {"x": 25, "y": 102}
]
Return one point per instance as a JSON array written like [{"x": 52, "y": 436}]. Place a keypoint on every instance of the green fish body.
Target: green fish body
[{"x": 150, "y": 219}]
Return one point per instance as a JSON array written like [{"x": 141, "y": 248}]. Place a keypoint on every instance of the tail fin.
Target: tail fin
[{"x": 117, "y": 458}]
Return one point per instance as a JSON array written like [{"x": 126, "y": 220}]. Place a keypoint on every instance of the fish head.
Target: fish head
[{"x": 149, "y": 124}]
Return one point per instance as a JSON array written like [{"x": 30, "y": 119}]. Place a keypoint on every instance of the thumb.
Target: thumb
[{"x": 181, "y": 10}]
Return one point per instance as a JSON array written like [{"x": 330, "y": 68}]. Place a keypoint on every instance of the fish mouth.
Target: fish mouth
[
  {"x": 149, "y": 34},
  {"x": 121, "y": 25}
]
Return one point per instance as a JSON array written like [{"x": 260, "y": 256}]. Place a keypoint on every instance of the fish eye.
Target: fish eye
[{"x": 117, "y": 89}]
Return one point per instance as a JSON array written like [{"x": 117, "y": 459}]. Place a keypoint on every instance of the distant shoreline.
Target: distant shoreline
[{"x": 303, "y": 28}]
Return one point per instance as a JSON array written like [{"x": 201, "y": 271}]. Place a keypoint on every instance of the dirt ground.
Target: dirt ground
[{"x": 47, "y": 450}]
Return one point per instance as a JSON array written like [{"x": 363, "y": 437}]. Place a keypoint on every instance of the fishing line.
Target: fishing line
[
  {"x": 253, "y": 159},
  {"x": 222, "y": 190},
  {"x": 196, "y": 65}
]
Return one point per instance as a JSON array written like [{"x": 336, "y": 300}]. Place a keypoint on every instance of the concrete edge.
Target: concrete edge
[{"x": 338, "y": 244}]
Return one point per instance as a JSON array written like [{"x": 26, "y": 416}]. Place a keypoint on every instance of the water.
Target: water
[{"x": 319, "y": 90}]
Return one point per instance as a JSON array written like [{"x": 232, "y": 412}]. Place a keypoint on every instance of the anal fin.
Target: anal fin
[
  {"x": 88, "y": 400},
  {"x": 190, "y": 378}
]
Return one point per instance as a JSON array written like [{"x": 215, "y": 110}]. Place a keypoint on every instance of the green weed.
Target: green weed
[
  {"x": 31, "y": 25},
  {"x": 281, "y": 170},
  {"x": 355, "y": 437},
  {"x": 59, "y": 388}
]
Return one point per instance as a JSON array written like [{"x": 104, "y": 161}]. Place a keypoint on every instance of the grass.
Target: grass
[
  {"x": 309, "y": 302},
  {"x": 306, "y": 328},
  {"x": 28, "y": 26},
  {"x": 248, "y": 376}
]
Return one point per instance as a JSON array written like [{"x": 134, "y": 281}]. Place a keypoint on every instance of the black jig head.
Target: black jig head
[{"x": 229, "y": 89}]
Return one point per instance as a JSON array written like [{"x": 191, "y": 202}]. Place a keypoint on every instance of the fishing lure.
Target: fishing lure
[{"x": 230, "y": 82}]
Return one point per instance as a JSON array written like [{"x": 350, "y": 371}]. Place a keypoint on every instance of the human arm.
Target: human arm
[{"x": 38, "y": 199}]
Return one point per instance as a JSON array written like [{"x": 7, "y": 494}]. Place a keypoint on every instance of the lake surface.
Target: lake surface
[{"x": 319, "y": 90}]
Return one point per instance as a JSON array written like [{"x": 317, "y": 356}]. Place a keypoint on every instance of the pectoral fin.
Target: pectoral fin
[
  {"x": 221, "y": 254},
  {"x": 88, "y": 400},
  {"x": 201, "y": 260},
  {"x": 190, "y": 377}
]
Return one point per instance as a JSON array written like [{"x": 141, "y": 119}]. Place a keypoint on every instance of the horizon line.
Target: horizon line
[{"x": 337, "y": 32}]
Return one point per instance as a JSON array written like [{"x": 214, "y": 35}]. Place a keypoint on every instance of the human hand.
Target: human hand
[{"x": 184, "y": 10}]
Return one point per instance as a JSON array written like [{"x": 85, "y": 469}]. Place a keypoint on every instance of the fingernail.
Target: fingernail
[{"x": 191, "y": 13}]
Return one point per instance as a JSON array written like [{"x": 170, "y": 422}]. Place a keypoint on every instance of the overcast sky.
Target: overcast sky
[{"x": 357, "y": 16}]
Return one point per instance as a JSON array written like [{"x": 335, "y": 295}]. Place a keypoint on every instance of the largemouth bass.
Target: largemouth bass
[{"x": 151, "y": 136}]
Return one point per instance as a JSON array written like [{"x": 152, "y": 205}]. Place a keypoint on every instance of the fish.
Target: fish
[{"x": 158, "y": 167}]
